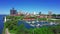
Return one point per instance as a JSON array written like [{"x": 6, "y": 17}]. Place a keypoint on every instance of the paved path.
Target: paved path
[{"x": 7, "y": 32}]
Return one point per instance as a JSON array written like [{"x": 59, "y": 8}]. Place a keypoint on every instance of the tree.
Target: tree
[
  {"x": 20, "y": 29},
  {"x": 43, "y": 30},
  {"x": 53, "y": 14}
]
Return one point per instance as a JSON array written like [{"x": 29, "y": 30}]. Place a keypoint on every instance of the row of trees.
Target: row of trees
[
  {"x": 21, "y": 18},
  {"x": 15, "y": 17}
]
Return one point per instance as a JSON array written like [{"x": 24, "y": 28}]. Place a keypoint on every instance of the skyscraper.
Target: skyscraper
[
  {"x": 13, "y": 11},
  {"x": 49, "y": 13},
  {"x": 39, "y": 13}
]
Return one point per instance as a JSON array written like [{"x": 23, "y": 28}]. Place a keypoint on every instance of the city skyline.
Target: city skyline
[{"x": 30, "y": 6}]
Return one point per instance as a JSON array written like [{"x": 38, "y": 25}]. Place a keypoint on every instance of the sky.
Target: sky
[{"x": 30, "y": 6}]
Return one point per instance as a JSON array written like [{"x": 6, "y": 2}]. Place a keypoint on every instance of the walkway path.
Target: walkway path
[{"x": 7, "y": 32}]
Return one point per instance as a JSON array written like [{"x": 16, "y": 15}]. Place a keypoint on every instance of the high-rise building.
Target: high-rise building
[
  {"x": 34, "y": 13},
  {"x": 49, "y": 13},
  {"x": 39, "y": 13},
  {"x": 13, "y": 11}
]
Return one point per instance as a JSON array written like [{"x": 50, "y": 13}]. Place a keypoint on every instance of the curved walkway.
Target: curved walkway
[{"x": 6, "y": 31}]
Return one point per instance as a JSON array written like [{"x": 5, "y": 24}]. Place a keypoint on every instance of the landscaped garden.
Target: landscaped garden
[{"x": 13, "y": 27}]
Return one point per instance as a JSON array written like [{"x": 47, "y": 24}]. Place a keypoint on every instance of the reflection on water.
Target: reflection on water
[
  {"x": 34, "y": 24},
  {"x": 26, "y": 24}
]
